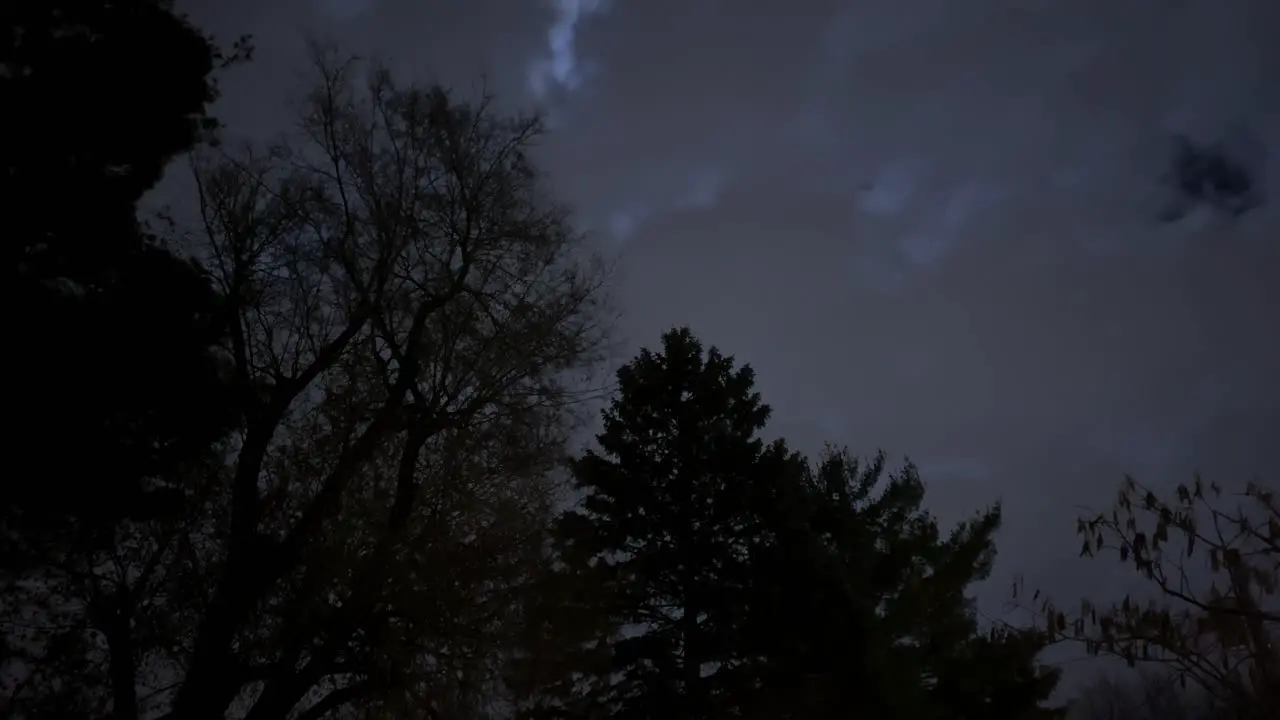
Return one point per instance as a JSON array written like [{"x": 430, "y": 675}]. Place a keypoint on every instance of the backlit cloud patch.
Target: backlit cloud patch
[{"x": 561, "y": 67}]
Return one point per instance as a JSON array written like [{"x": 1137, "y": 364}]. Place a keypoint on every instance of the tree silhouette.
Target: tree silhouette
[
  {"x": 669, "y": 520},
  {"x": 116, "y": 338},
  {"x": 408, "y": 315},
  {"x": 1209, "y": 622},
  {"x": 116, "y": 333},
  {"x": 883, "y": 621},
  {"x": 705, "y": 574}
]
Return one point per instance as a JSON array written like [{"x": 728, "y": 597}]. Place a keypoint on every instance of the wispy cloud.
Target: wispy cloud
[
  {"x": 561, "y": 67},
  {"x": 694, "y": 188},
  {"x": 891, "y": 192}
]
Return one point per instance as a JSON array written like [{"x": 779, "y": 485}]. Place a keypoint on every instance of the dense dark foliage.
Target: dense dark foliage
[
  {"x": 731, "y": 579},
  {"x": 117, "y": 381}
]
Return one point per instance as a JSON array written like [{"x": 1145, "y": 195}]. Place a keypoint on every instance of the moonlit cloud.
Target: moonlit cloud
[
  {"x": 891, "y": 193},
  {"x": 668, "y": 190},
  {"x": 704, "y": 188},
  {"x": 560, "y": 66}
]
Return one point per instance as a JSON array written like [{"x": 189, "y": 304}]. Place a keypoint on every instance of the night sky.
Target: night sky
[{"x": 930, "y": 225}]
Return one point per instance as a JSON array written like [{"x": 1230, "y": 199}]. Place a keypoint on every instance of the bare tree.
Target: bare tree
[
  {"x": 1211, "y": 623},
  {"x": 414, "y": 319}
]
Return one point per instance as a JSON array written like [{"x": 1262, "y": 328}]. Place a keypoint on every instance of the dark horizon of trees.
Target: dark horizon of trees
[{"x": 308, "y": 455}]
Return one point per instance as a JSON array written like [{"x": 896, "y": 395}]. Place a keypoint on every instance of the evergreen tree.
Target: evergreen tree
[
  {"x": 705, "y": 574},
  {"x": 875, "y": 620},
  {"x": 661, "y": 545}
]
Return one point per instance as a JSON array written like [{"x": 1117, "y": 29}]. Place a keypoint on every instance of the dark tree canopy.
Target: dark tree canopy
[
  {"x": 729, "y": 578},
  {"x": 870, "y": 606},
  {"x": 113, "y": 333},
  {"x": 668, "y": 525},
  {"x": 121, "y": 86},
  {"x": 400, "y": 309}
]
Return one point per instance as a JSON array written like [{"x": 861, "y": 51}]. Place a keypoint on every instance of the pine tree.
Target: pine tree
[
  {"x": 705, "y": 574},
  {"x": 668, "y": 524}
]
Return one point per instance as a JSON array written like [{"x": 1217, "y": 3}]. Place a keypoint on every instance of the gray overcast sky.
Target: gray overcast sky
[{"x": 928, "y": 224}]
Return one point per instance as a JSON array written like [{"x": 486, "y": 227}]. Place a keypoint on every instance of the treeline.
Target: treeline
[{"x": 305, "y": 451}]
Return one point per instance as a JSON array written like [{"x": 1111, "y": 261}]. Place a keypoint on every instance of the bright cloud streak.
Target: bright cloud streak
[{"x": 561, "y": 65}]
